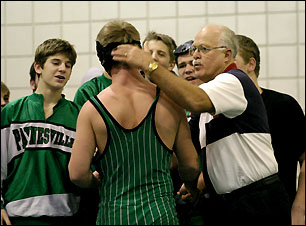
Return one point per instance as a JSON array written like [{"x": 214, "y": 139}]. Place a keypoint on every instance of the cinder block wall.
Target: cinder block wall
[{"x": 278, "y": 27}]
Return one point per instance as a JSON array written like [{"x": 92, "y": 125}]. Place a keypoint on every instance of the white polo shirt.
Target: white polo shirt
[{"x": 237, "y": 139}]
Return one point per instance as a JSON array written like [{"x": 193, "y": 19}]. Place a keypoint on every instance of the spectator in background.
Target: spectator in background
[
  {"x": 37, "y": 133},
  {"x": 161, "y": 48},
  {"x": 238, "y": 159},
  {"x": 5, "y": 95},
  {"x": 287, "y": 135},
  {"x": 33, "y": 78},
  {"x": 184, "y": 62},
  {"x": 189, "y": 214}
]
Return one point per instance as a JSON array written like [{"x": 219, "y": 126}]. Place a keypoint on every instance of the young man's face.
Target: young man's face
[
  {"x": 56, "y": 72},
  {"x": 159, "y": 52},
  {"x": 186, "y": 69}
]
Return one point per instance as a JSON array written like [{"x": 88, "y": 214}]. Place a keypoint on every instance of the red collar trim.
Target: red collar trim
[{"x": 230, "y": 67}]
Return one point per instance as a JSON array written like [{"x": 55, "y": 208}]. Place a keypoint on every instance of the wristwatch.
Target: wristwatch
[{"x": 152, "y": 67}]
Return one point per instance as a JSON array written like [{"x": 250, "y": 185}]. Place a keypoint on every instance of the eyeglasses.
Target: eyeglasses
[{"x": 202, "y": 49}]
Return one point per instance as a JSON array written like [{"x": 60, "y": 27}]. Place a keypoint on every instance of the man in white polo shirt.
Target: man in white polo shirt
[{"x": 241, "y": 166}]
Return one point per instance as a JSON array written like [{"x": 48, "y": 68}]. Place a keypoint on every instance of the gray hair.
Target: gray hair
[{"x": 228, "y": 39}]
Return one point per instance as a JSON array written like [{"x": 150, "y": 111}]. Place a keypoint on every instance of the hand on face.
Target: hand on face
[
  {"x": 133, "y": 56},
  {"x": 159, "y": 52}
]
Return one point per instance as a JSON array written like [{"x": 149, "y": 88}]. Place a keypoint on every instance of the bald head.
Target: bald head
[
  {"x": 217, "y": 48},
  {"x": 212, "y": 32},
  {"x": 219, "y": 35}
]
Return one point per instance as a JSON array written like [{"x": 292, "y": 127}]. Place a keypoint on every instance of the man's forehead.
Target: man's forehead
[
  {"x": 200, "y": 37},
  {"x": 206, "y": 37}
]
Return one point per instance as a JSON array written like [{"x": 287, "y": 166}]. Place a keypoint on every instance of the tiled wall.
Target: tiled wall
[{"x": 278, "y": 27}]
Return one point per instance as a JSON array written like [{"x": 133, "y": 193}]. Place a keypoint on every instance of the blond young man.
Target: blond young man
[
  {"x": 161, "y": 48},
  {"x": 136, "y": 129}
]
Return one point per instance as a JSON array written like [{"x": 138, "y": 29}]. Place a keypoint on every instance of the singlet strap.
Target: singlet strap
[
  {"x": 94, "y": 100},
  {"x": 105, "y": 113},
  {"x": 153, "y": 106}
]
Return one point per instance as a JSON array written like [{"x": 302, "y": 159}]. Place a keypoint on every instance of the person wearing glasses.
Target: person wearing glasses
[{"x": 238, "y": 160}]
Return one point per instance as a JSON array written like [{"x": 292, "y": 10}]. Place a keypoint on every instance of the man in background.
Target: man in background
[
  {"x": 288, "y": 133},
  {"x": 184, "y": 62},
  {"x": 189, "y": 214},
  {"x": 37, "y": 134},
  {"x": 161, "y": 48}
]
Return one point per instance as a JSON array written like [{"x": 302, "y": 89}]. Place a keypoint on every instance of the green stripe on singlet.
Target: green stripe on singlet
[{"x": 136, "y": 186}]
